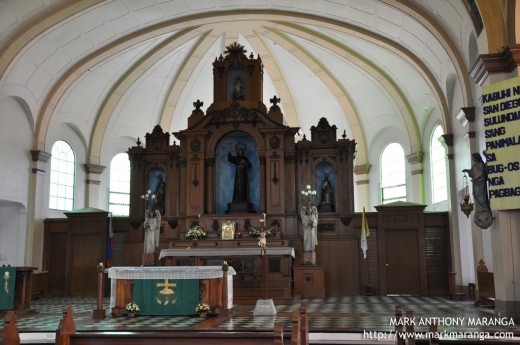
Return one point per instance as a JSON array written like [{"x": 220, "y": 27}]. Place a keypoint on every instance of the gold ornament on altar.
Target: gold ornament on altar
[
  {"x": 228, "y": 230},
  {"x": 6, "y": 278},
  {"x": 166, "y": 295}
]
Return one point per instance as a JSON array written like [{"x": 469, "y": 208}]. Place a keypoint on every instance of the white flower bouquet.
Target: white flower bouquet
[
  {"x": 202, "y": 308},
  {"x": 132, "y": 307},
  {"x": 195, "y": 233}
]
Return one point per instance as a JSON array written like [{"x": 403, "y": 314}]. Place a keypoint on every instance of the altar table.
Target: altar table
[
  {"x": 170, "y": 290},
  {"x": 224, "y": 252}
]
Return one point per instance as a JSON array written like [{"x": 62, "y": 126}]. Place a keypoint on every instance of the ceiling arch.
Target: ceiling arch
[
  {"x": 406, "y": 54},
  {"x": 123, "y": 84}
]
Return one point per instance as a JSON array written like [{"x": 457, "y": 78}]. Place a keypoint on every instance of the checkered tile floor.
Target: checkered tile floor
[{"x": 334, "y": 314}]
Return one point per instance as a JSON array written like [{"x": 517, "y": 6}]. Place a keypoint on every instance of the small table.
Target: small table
[{"x": 23, "y": 287}]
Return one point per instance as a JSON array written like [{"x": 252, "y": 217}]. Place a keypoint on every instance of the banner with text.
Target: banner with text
[{"x": 501, "y": 109}]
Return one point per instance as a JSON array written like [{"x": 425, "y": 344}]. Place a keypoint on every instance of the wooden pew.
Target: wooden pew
[
  {"x": 66, "y": 334},
  {"x": 454, "y": 294},
  {"x": 398, "y": 326},
  {"x": 10, "y": 334},
  {"x": 486, "y": 286}
]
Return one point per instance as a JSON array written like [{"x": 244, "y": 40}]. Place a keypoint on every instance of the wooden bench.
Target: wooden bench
[
  {"x": 454, "y": 294},
  {"x": 10, "y": 334},
  {"x": 486, "y": 286},
  {"x": 67, "y": 334}
]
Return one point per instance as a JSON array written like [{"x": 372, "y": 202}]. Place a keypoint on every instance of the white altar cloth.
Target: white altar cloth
[
  {"x": 168, "y": 272},
  {"x": 271, "y": 251}
]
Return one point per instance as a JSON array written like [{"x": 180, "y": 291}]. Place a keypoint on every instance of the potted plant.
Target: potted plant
[
  {"x": 131, "y": 309},
  {"x": 202, "y": 309},
  {"x": 195, "y": 233}
]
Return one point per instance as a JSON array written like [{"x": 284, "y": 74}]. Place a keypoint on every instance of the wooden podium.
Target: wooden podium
[{"x": 309, "y": 281}]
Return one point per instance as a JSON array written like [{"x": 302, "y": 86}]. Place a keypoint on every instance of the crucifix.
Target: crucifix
[
  {"x": 263, "y": 253},
  {"x": 264, "y": 306}
]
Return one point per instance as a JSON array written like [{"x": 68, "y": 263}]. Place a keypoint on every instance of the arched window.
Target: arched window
[
  {"x": 438, "y": 166},
  {"x": 63, "y": 176},
  {"x": 393, "y": 180},
  {"x": 119, "y": 190}
]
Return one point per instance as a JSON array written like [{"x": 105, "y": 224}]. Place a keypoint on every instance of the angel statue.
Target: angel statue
[
  {"x": 310, "y": 227},
  {"x": 152, "y": 227}
]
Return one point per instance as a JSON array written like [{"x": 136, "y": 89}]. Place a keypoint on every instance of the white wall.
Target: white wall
[{"x": 15, "y": 168}]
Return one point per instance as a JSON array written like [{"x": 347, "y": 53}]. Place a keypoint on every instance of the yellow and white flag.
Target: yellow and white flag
[{"x": 365, "y": 232}]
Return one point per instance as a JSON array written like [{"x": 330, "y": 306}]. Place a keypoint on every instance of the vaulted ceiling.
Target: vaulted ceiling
[{"x": 112, "y": 70}]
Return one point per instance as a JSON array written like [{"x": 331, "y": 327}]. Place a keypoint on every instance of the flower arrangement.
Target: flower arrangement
[
  {"x": 195, "y": 233},
  {"x": 256, "y": 233},
  {"x": 202, "y": 308},
  {"x": 132, "y": 307}
]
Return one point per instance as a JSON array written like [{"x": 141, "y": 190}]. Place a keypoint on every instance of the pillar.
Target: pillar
[
  {"x": 362, "y": 186},
  {"x": 36, "y": 204},
  {"x": 415, "y": 161},
  {"x": 93, "y": 182}
]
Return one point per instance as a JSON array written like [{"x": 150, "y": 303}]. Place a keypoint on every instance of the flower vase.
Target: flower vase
[
  {"x": 203, "y": 315},
  {"x": 131, "y": 314}
]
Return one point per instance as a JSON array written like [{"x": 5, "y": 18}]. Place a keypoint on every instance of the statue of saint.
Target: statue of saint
[
  {"x": 237, "y": 89},
  {"x": 152, "y": 230},
  {"x": 160, "y": 193},
  {"x": 242, "y": 165},
  {"x": 310, "y": 227},
  {"x": 478, "y": 173},
  {"x": 326, "y": 192}
]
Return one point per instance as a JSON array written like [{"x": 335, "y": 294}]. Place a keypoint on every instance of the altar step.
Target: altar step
[{"x": 250, "y": 296}]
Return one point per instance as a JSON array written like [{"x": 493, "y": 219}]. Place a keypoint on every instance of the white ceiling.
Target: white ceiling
[{"x": 112, "y": 70}]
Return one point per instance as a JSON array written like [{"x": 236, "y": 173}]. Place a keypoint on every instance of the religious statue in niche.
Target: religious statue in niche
[
  {"x": 160, "y": 193},
  {"x": 478, "y": 173},
  {"x": 236, "y": 82},
  {"x": 242, "y": 166},
  {"x": 237, "y": 174},
  {"x": 327, "y": 196},
  {"x": 152, "y": 229},
  {"x": 238, "y": 94}
]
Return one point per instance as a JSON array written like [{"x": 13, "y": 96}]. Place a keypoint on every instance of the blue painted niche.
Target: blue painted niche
[{"x": 225, "y": 171}]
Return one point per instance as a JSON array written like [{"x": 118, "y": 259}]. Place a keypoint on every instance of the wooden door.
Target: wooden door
[
  {"x": 402, "y": 262},
  {"x": 87, "y": 252}
]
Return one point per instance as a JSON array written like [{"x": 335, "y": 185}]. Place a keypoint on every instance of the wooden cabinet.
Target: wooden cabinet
[
  {"x": 72, "y": 249},
  {"x": 309, "y": 281}
]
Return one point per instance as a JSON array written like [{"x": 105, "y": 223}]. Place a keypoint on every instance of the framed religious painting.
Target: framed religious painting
[{"x": 228, "y": 230}]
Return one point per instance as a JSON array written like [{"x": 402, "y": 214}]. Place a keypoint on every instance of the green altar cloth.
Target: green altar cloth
[
  {"x": 7, "y": 278},
  {"x": 166, "y": 296}
]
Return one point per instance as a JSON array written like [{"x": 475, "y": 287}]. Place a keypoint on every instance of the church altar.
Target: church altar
[
  {"x": 170, "y": 290},
  {"x": 224, "y": 252},
  {"x": 246, "y": 262}
]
